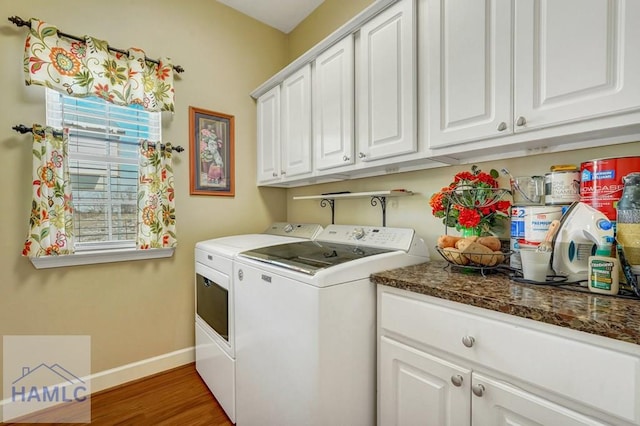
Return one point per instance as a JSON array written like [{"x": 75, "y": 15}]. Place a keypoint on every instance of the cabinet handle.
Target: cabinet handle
[
  {"x": 502, "y": 126},
  {"x": 275, "y": 174},
  {"x": 521, "y": 121},
  {"x": 362, "y": 155},
  {"x": 468, "y": 341},
  {"x": 345, "y": 158},
  {"x": 456, "y": 380},
  {"x": 282, "y": 172},
  {"x": 478, "y": 390}
]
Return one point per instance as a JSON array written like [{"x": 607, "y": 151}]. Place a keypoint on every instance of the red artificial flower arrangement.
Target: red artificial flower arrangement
[{"x": 473, "y": 201}]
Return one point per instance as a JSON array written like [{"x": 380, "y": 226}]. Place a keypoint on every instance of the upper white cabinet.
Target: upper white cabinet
[
  {"x": 268, "y": 112},
  {"x": 333, "y": 106},
  {"x": 296, "y": 123},
  {"x": 467, "y": 53},
  {"x": 386, "y": 84},
  {"x": 575, "y": 59},
  {"x": 284, "y": 129},
  {"x": 499, "y": 67}
]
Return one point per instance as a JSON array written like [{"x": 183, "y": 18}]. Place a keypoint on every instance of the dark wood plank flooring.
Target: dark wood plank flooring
[{"x": 173, "y": 397}]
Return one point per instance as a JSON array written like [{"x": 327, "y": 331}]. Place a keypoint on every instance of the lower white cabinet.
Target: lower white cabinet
[
  {"x": 427, "y": 390},
  {"x": 495, "y": 403},
  {"x": 419, "y": 388},
  {"x": 446, "y": 363}
]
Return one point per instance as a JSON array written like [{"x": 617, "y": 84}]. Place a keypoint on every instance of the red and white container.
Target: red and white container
[{"x": 601, "y": 182}]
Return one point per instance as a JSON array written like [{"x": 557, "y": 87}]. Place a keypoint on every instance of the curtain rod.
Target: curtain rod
[
  {"x": 21, "y": 128},
  {"x": 22, "y": 23}
]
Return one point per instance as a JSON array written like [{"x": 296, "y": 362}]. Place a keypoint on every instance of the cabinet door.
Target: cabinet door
[
  {"x": 296, "y": 123},
  {"x": 416, "y": 388},
  {"x": 495, "y": 403},
  {"x": 386, "y": 84},
  {"x": 268, "y": 106},
  {"x": 466, "y": 51},
  {"x": 575, "y": 59},
  {"x": 333, "y": 111}
]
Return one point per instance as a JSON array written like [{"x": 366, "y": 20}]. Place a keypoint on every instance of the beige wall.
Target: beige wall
[
  {"x": 135, "y": 310},
  {"x": 327, "y": 18}
]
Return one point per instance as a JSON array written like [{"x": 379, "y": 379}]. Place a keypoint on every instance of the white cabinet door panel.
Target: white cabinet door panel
[
  {"x": 416, "y": 388},
  {"x": 466, "y": 51},
  {"x": 333, "y": 106},
  {"x": 268, "y": 106},
  {"x": 296, "y": 123},
  {"x": 575, "y": 59},
  {"x": 500, "y": 404},
  {"x": 387, "y": 84}
]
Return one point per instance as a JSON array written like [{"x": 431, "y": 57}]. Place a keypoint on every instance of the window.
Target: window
[{"x": 103, "y": 154}]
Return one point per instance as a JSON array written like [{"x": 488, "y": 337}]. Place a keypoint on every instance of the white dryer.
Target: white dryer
[{"x": 215, "y": 303}]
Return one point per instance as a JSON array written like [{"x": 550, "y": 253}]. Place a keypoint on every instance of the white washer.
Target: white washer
[
  {"x": 215, "y": 310},
  {"x": 305, "y": 325}
]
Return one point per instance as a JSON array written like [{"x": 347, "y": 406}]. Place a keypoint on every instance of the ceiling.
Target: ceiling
[{"x": 284, "y": 15}]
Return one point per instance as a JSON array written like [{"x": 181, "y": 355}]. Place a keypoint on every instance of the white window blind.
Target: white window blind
[{"x": 103, "y": 155}]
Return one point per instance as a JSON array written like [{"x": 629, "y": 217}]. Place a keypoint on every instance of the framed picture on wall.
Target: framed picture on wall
[{"x": 211, "y": 153}]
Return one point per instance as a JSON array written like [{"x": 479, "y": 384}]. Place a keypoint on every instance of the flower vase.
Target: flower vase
[{"x": 470, "y": 232}]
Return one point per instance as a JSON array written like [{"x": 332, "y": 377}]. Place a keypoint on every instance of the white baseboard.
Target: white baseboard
[
  {"x": 139, "y": 369},
  {"x": 127, "y": 373}
]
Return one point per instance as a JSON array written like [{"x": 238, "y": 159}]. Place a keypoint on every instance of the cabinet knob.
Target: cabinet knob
[
  {"x": 456, "y": 380},
  {"x": 468, "y": 341},
  {"x": 275, "y": 174},
  {"x": 282, "y": 172},
  {"x": 521, "y": 121},
  {"x": 362, "y": 155},
  {"x": 502, "y": 126},
  {"x": 478, "y": 390},
  {"x": 345, "y": 158}
]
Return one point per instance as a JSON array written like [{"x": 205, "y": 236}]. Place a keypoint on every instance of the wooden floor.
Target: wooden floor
[{"x": 174, "y": 397}]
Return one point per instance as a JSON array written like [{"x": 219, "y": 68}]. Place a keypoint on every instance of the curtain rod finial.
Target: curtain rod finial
[
  {"x": 21, "y": 128},
  {"x": 18, "y": 21}
]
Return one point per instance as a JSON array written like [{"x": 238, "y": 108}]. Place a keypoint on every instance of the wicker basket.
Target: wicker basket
[{"x": 487, "y": 261}]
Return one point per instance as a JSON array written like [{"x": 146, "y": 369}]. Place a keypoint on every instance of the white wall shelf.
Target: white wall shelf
[{"x": 377, "y": 197}]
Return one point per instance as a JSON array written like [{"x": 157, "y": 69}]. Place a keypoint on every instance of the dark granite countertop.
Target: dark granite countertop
[{"x": 608, "y": 316}]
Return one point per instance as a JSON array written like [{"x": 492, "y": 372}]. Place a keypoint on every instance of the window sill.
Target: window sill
[{"x": 104, "y": 256}]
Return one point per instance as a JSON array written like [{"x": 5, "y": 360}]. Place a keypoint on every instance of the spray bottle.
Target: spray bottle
[{"x": 604, "y": 275}]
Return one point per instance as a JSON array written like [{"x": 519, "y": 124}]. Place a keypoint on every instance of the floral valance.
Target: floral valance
[{"x": 89, "y": 68}]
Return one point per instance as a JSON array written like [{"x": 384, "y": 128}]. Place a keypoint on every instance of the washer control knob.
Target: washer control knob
[
  {"x": 358, "y": 233},
  {"x": 288, "y": 228}
]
